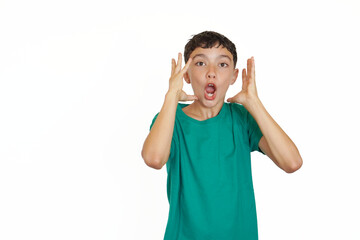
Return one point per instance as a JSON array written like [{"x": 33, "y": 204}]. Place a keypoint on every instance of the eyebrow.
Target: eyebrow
[{"x": 204, "y": 56}]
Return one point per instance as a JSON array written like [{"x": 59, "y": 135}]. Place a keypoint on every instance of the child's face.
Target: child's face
[{"x": 211, "y": 66}]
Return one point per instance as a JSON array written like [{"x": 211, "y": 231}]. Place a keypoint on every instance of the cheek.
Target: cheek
[
  {"x": 227, "y": 74},
  {"x": 195, "y": 77},
  {"x": 228, "y": 78},
  {"x": 195, "y": 73}
]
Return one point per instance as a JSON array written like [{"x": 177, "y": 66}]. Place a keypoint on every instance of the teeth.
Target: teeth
[
  {"x": 210, "y": 94},
  {"x": 211, "y": 85}
]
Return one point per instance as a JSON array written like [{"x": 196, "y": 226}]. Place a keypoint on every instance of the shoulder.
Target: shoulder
[
  {"x": 238, "y": 112},
  {"x": 238, "y": 109},
  {"x": 241, "y": 113}
]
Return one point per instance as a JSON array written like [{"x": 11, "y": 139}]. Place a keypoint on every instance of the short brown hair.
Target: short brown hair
[{"x": 209, "y": 39}]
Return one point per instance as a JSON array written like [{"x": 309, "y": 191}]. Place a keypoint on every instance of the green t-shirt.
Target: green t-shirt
[{"x": 209, "y": 182}]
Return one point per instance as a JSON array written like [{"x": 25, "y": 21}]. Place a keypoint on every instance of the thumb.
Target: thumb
[
  {"x": 185, "y": 97},
  {"x": 230, "y": 99},
  {"x": 191, "y": 98}
]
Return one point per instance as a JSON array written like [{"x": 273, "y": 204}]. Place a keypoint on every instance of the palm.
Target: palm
[
  {"x": 176, "y": 79},
  {"x": 248, "y": 90}
]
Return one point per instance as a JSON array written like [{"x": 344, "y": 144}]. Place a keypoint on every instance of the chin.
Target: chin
[{"x": 211, "y": 103}]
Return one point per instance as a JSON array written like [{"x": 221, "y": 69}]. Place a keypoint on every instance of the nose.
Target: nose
[{"x": 211, "y": 72}]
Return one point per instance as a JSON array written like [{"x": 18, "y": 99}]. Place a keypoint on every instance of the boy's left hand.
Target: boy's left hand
[{"x": 248, "y": 92}]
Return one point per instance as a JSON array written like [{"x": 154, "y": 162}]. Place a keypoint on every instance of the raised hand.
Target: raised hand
[
  {"x": 176, "y": 79},
  {"x": 248, "y": 91}
]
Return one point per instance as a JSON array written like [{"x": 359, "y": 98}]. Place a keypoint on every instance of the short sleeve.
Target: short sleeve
[
  {"x": 153, "y": 121},
  {"x": 255, "y": 134},
  {"x": 173, "y": 142}
]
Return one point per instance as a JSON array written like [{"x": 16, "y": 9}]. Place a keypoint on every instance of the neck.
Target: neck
[{"x": 203, "y": 112}]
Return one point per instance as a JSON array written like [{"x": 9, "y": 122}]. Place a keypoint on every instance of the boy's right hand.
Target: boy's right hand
[{"x": 176, "y": 80}]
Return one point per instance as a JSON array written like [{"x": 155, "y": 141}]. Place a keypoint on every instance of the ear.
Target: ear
[
  {"x": 235, "y": 75},
  {"x": 186, "y": 77}
]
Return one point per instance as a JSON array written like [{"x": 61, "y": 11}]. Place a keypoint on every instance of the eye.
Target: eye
[
  {"x": 200, "y": 64},
  {"x": 224, "y": 64}
]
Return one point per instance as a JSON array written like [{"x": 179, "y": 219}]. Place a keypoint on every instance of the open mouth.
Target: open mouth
[{"x": 210, "y": 91}]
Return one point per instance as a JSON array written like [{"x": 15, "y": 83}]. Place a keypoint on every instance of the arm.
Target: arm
[
  {"x": 156, "y": 148},
  {"x": 275, "y": 143}
]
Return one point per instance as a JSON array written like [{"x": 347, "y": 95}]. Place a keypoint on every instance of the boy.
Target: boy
[{"x": 206, "y": 145}]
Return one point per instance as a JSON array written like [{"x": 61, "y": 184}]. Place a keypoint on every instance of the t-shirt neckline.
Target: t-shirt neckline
[{"x": 183, "y": 115}]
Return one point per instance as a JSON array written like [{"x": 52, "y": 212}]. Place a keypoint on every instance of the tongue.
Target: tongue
[{"x": 210, "y": 89}]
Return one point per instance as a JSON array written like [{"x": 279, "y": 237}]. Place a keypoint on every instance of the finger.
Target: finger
[
  {"x": 244, "y": 75},
  {"x": 187, "y": 65},
  {"x": 253, "y": 67},
  {"x": 248, "y": 67},
  {"x": 178, "y": 65},
  {"x": 172, "y": 66},
  {"x": 244, "y": 79}
]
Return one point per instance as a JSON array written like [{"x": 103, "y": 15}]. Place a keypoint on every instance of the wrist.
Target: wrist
[
  {"x": 173, "y": 94},
  {"x": 253, "y": 104}
]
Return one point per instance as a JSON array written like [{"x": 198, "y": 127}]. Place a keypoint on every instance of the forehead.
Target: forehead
[{"x": 212, "y": 53}]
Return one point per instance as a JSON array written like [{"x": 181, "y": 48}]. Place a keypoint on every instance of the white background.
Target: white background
[{"x": 80, "y": 82}]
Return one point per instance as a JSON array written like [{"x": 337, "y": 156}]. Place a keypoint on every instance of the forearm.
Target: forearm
[
  {"x": 281, "y": 146},
  {"x": 156, "y": 148}
]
